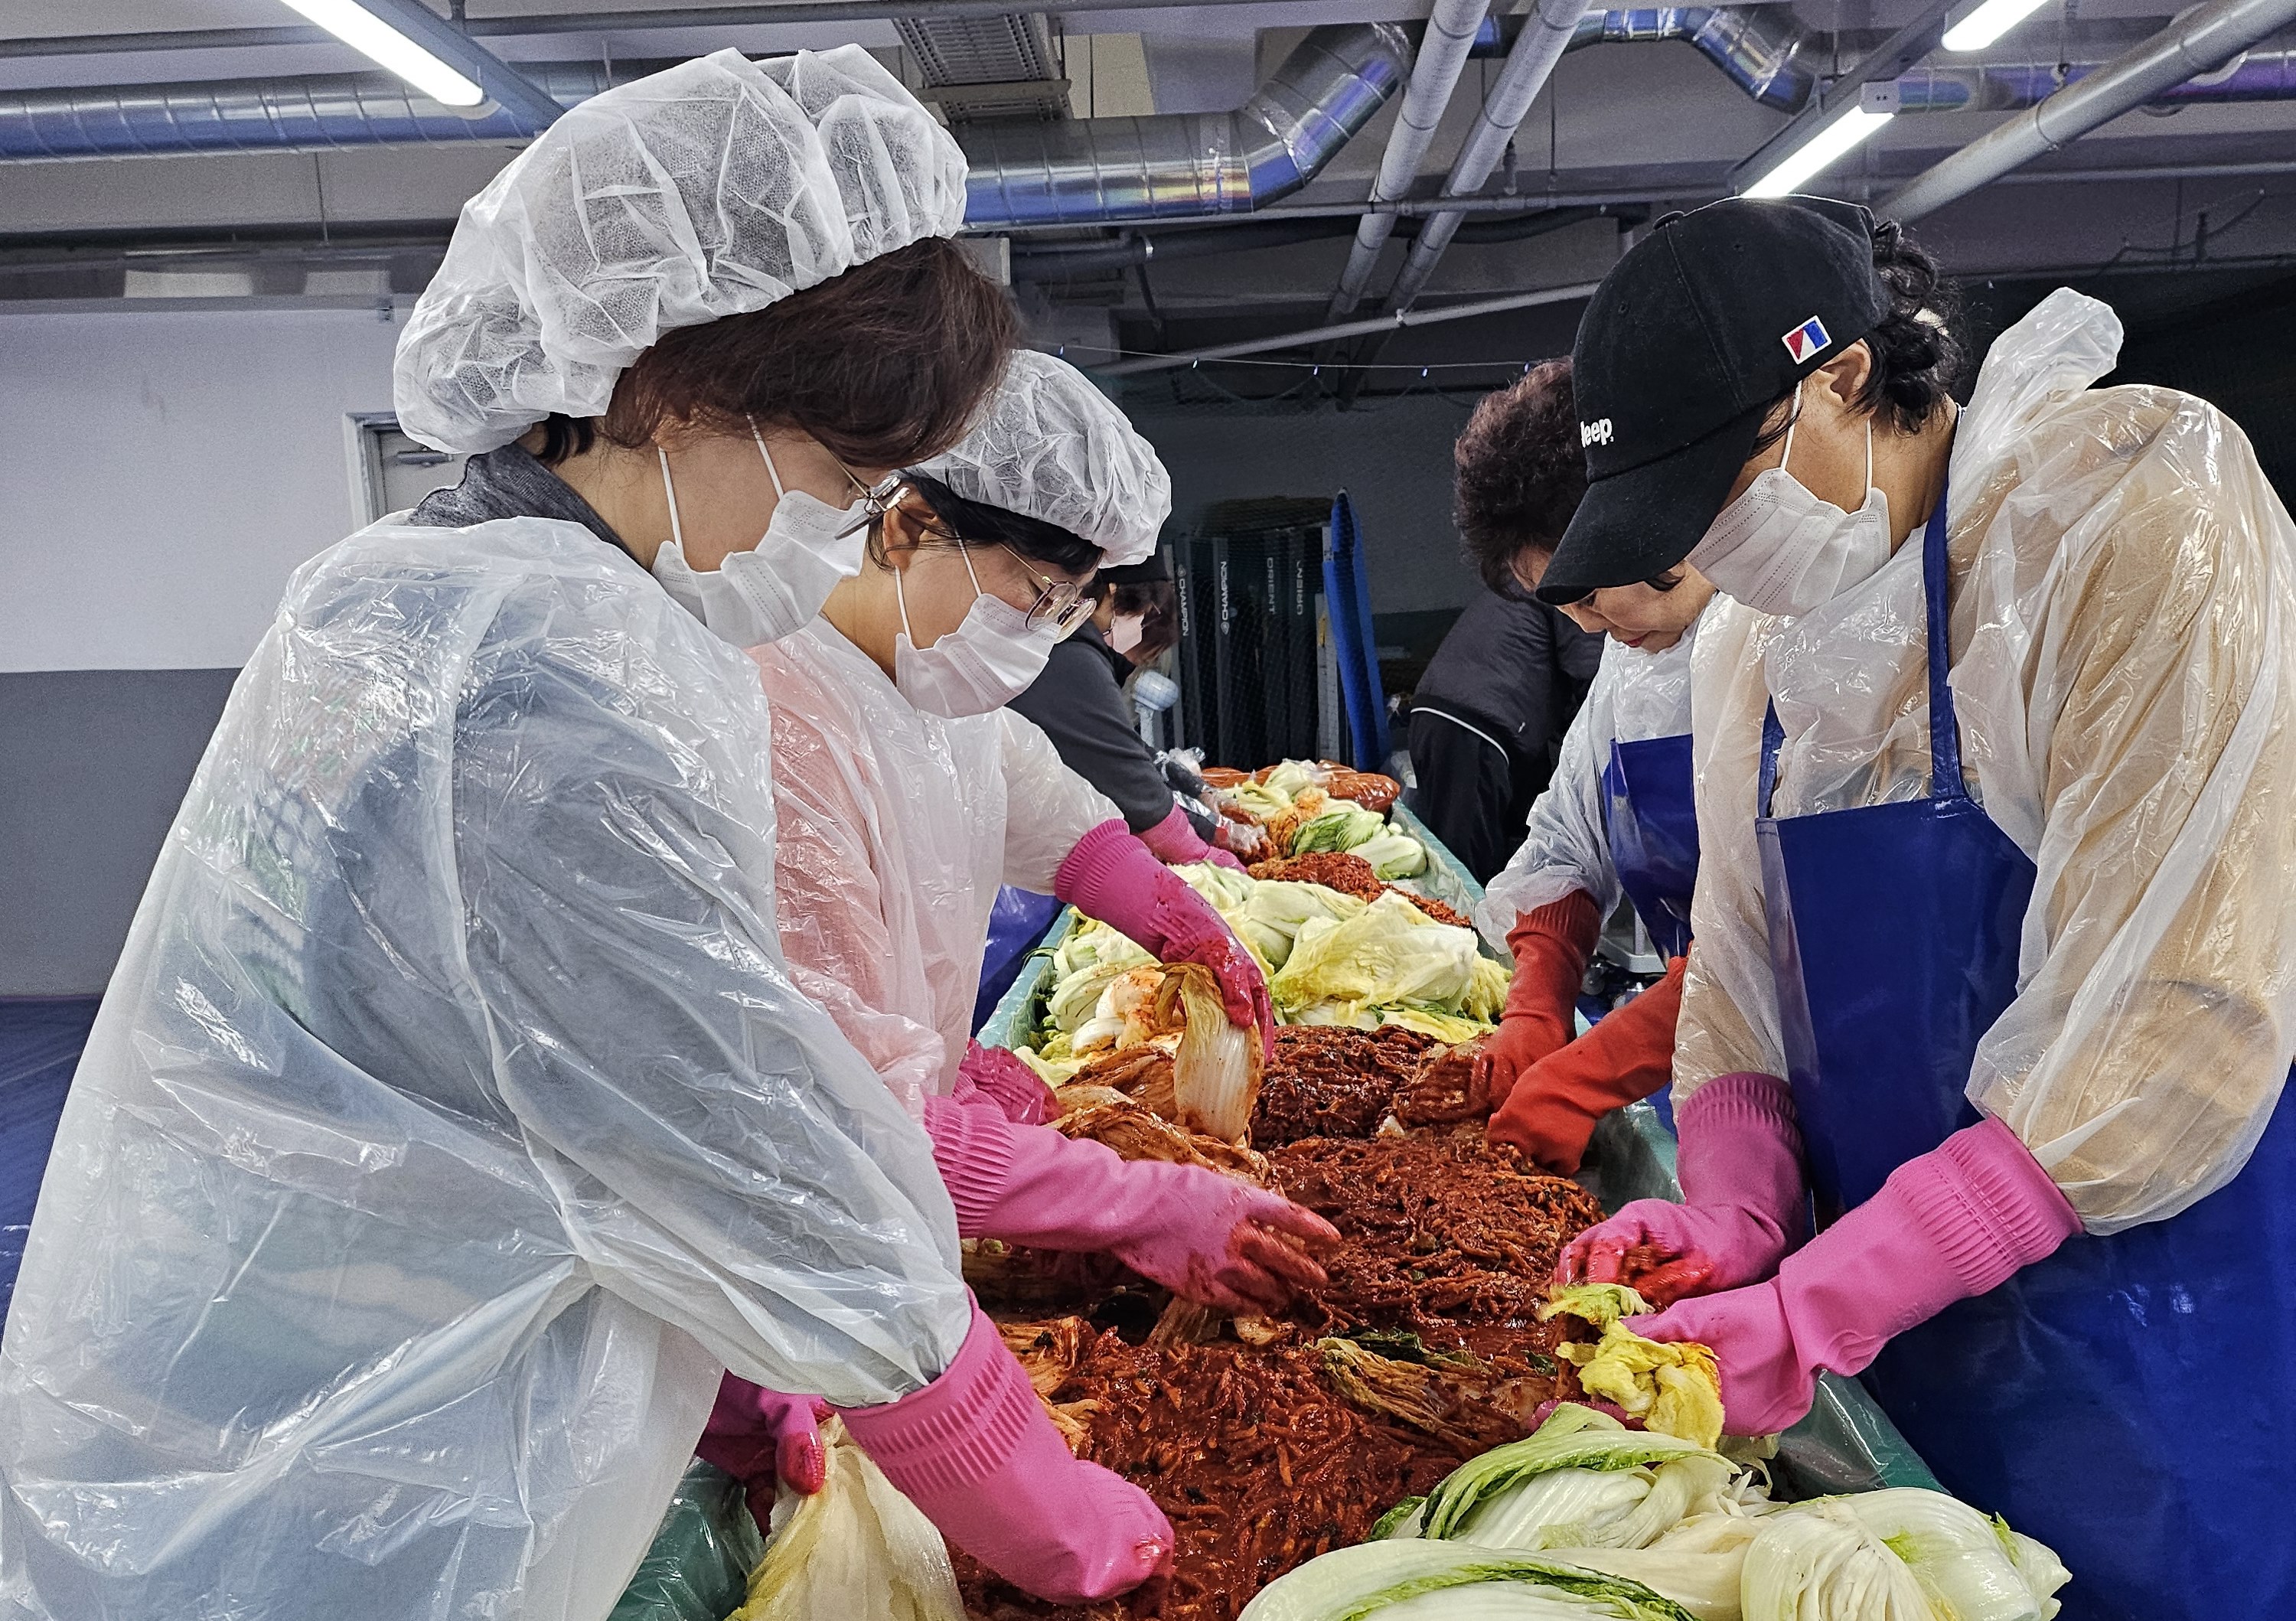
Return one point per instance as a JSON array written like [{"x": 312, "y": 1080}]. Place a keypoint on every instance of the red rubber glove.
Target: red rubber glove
[
  {"x": 1949, "y": 1224},
  {"x": 998, "y": 1076},
  {"x": 1175, "y": 842},
  {"x": 976, "y": 1451},
  {"x": 1628, "y": 1055},
  {"x": 1200, "y": 1234},
  {"x": 759, "y": 1435},
  {"x": 1551, "y": 947},
  {"x": 1744, "y": 1205},
  {"x": 1111, "y": 876}
]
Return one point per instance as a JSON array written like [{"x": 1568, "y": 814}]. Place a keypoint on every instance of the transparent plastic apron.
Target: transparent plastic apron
[{"x": 2131, "y": 1400}]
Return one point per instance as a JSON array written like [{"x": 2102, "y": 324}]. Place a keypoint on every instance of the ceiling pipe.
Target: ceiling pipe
[
  {"x": 1090, "y": 171},
  {"x": 1451, "y": 30},
  {"x": 2201, "y": 40},
  {"x": 1311, "y": 336},
  {"x": 1546, "y": 33}
]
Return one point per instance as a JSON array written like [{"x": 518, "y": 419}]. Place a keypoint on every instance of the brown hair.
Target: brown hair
[
  {"x": 1521, "y": 473},
  {"x": 885, "y": 364},
  {"x": 1158, "y": 604}
]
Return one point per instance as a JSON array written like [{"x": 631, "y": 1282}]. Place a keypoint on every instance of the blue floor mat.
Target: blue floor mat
[{"x": 40, "y": 1040}]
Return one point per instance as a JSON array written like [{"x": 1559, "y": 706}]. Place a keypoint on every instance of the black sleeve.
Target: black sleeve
[{"x": 1081, "y": 709}]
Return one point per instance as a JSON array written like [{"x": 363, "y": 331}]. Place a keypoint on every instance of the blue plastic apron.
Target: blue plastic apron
[
  {"x": 2127, "y": 1401},
  {"x": 1653, "y": 828}
]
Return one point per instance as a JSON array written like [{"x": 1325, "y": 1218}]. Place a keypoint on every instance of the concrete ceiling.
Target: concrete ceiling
[{"x": 1644, "y": 125}]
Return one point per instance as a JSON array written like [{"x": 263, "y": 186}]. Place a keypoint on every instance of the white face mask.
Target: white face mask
[
  {"x": 985, "y": 663},
  {"x": 778, "y": 585},
  {"x": 1124, "y": 632},
  {"x": 1780, "y": 549}
]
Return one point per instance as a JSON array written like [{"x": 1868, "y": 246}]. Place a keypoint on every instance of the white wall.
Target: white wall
[{"x": 162, "y": 472}]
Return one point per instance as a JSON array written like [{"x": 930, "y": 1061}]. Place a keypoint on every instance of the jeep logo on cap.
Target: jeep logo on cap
[{"x": 1595, "y": 433}]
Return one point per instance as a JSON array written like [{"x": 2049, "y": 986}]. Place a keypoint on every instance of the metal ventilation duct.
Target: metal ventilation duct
[
  {"x": 1189, "y": 165},
  {"x": 989, "y": 67}
]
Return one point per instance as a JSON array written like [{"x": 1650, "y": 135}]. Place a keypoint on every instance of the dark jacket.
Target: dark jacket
[{"x": 1079, "y": 702}]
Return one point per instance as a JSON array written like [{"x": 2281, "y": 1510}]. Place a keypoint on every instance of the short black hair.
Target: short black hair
[
  {"x": 1921, "y": 348},
  {"x": 1521, "y": 472},
  {"x": 977, "y": 523}
]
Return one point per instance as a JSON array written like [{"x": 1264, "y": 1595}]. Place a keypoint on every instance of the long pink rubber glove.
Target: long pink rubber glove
[
  {"x": 1198, "y": 1233},
  {"x": 995, "y": 1075},
  {"x": 1743, "y": 1204},
  {"x": 759, "y": 1435},
  {"x": 1175, "y": 842},
  {"x": 1111, "y": 876},
  {"x": 976, "y": 1451},
  {"x": 1947, "y": 1226}
]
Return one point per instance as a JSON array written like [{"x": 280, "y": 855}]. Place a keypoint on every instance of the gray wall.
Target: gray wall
[{"x": 93, "y": 766}]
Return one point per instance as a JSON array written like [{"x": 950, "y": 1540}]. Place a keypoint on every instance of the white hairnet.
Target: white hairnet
[
  {"x": 714, "y": 188},
  {"x": 2126, "y": 683},
  {"x": 1051, "y": 445}
]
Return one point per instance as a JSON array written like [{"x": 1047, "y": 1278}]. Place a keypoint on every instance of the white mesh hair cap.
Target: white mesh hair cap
[
  {"x": 1051, "y": 445},
  {"x": 713, "y": 188}
]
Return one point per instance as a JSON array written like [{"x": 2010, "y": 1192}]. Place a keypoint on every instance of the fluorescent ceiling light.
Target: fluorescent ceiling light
[
  {"x": 1827, "y": 145},
  {"x": 1987, "y": 23},
  {"x": 370, "y": 35}
]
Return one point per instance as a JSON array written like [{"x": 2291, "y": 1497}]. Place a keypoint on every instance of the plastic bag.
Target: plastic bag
[
  {"x": 699, "y": 1566},
  {"x": 856, "y": 1548}
]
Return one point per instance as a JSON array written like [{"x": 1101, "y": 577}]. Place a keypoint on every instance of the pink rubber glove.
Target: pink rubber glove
[
  {"x": 1744, "y": 1205},
  {"x": 977, "y": 1452},
  {"x": 1198, "y": 1233},
  {"x": 759, "y": 1435},
  {"x": 995, "y": 1075},
  {"x": 1175, "y": 842},
  {"x": 1947, "y": 1226},
  {"x": 1111, "y": 876}
]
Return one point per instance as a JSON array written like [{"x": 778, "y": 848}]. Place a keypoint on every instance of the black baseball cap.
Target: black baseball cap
[{"x": 1694, "y": 333}]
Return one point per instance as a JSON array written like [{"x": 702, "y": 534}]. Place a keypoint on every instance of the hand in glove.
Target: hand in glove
[
  {"x": 1743, "y": 1206},
  {"x": 1175, "y": 842},
  {"x": 999, "y": 1076},
  {"x": 758, "y": 1435},
  {"x": 1628, "y": 1055},
  {"x": 1111, "y": 876},
  {"x": 1551, "y": 947},
  {"x": 1949, "y": 1224},
  {"x": 1200, "y": 1234},
  {"x": 976, "y": 1451}
]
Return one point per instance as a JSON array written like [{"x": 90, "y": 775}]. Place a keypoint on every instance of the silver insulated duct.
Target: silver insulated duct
[{"x": 1187, "y": 165}]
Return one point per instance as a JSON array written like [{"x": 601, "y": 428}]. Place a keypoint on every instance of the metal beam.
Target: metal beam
[
  {"x": 1313, "y": 335},
  {"x": 544, "y": 23}
]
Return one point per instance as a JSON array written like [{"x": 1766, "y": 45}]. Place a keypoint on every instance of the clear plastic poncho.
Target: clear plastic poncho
[
  {"x": 1049, "y": 443},
  {"x": 450, "y": 1124},
  {"x": 897, "y": 827},
  {"x": 2124, "y": 670},
  {"x": 1634, "y": 696},
  {"x": 714, "y": 188}
]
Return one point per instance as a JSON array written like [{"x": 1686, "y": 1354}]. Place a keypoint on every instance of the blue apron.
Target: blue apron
[
  {"x": 1653, "y": 828},
  {"x": 2126, "y": 1401}
]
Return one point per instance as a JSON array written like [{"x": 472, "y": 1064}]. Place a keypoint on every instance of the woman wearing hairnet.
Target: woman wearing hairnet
[
  {"x": 1617, "y": 819},
  {"x": 906, "y": 795},
  {"x": 1995, "y": 753},
  {"x": 451, "y": 1124}
]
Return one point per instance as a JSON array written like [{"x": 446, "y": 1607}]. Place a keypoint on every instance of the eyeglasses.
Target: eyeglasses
[
  {"x": 1060, "y": 603},
  {"x": 875, "y": 503}
]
